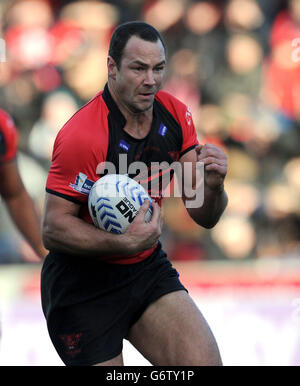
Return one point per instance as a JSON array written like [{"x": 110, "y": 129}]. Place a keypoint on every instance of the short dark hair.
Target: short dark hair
[{"x": 125, "y": 31}]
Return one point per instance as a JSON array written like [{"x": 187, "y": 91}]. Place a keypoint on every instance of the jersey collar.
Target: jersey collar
[{"x": 113, "y": 107}]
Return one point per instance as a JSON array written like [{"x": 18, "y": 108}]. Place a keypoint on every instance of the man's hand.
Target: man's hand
[
  {"x": 215, "y": 165},
  {"x": 144, "y": 235}
]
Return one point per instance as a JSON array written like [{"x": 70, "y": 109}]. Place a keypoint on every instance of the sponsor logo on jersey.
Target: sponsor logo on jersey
[
  {"x": 82, "y": 184},
  {"x": 124, "y": 145},
  {"x": 162, "y": 130}
]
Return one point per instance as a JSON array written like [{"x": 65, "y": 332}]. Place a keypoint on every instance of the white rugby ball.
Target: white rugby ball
[{"x": 114, "y": 201}]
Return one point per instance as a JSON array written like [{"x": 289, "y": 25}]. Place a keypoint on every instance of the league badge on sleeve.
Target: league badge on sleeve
[
  {"x": 82, "y": 184},
  {"x": 188, "y": 116}
]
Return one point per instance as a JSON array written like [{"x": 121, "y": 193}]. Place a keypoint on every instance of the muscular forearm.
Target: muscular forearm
[
  {"x": 71, "y": 235},
  {"x": 23, "y": 213},
  {"x": 207, "y": 182},
  {"x": 215, "y": 202},
  {"x": 64, "y": 231}
]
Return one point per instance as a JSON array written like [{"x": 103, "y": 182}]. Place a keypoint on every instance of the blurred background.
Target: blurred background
[{"x": 236, "y": 64}]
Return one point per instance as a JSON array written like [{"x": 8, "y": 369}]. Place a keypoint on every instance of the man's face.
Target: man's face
[{"x": 141, "y": 74}]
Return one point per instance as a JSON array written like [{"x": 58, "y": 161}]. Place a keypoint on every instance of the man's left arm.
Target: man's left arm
[
  {"x": 214, "y": 200},
  {"x": 21, "y": 206}
]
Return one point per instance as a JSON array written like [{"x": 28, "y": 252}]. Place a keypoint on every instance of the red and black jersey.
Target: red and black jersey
[
  {"x": 95, "y": 135},
  {"x": 8, "y": 138}
]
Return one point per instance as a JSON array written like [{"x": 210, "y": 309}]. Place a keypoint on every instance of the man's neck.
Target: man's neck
[{"x": 138, "y": 124}]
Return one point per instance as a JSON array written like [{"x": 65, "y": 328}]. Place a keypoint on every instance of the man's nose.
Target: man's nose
[{"x": 149, "y": 78}]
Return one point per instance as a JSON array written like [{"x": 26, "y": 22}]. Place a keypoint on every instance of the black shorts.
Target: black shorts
[{"x": 90, "y": 306}]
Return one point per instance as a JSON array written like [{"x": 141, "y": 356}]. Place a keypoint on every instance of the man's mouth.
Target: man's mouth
[{"x": 146, "y": 95}]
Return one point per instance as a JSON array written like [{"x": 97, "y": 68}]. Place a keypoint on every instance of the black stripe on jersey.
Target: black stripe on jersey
[
  {"x": 3, "y": 146},
  {"x": 187, "y": 150},
  {"x": 66, "y": 197}
]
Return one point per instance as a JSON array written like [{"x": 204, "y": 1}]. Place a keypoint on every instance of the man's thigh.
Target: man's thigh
[
  {"x": 173, "y": 332},
  {"x": 117, "y": 361}
]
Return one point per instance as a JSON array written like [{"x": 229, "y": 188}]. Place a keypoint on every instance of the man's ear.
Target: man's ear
[{"x": 111, "y": 67}]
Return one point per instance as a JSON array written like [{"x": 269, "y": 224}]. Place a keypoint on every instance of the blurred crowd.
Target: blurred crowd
[{"x": 235, "y": 63}]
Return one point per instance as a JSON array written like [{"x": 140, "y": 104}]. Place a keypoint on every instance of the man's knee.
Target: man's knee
[{"x": 207, "y": 357}]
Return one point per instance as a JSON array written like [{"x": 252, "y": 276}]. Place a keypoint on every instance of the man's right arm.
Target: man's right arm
[{"x": 63, "y": 231}]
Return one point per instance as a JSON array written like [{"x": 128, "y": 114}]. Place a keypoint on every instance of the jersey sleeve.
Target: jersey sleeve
[
  {"x": 78, "y": 149},
  {"x": 8, "y": 137},
  {"x": 189, "y": 133},
  {"x": 183, "y": 116}
]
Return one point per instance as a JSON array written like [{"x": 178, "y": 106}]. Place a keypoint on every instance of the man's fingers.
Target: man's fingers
[
  {"x": 198, "y": 149},
  {"x": 143, "y": 209},
  {"x": 214, "y": 160},
  {"x": 212, "y": 153},
  {"x": 155, "y": 212},
  {"x": 222, "y": 170},
  {"x": 209, "y": 150}
]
